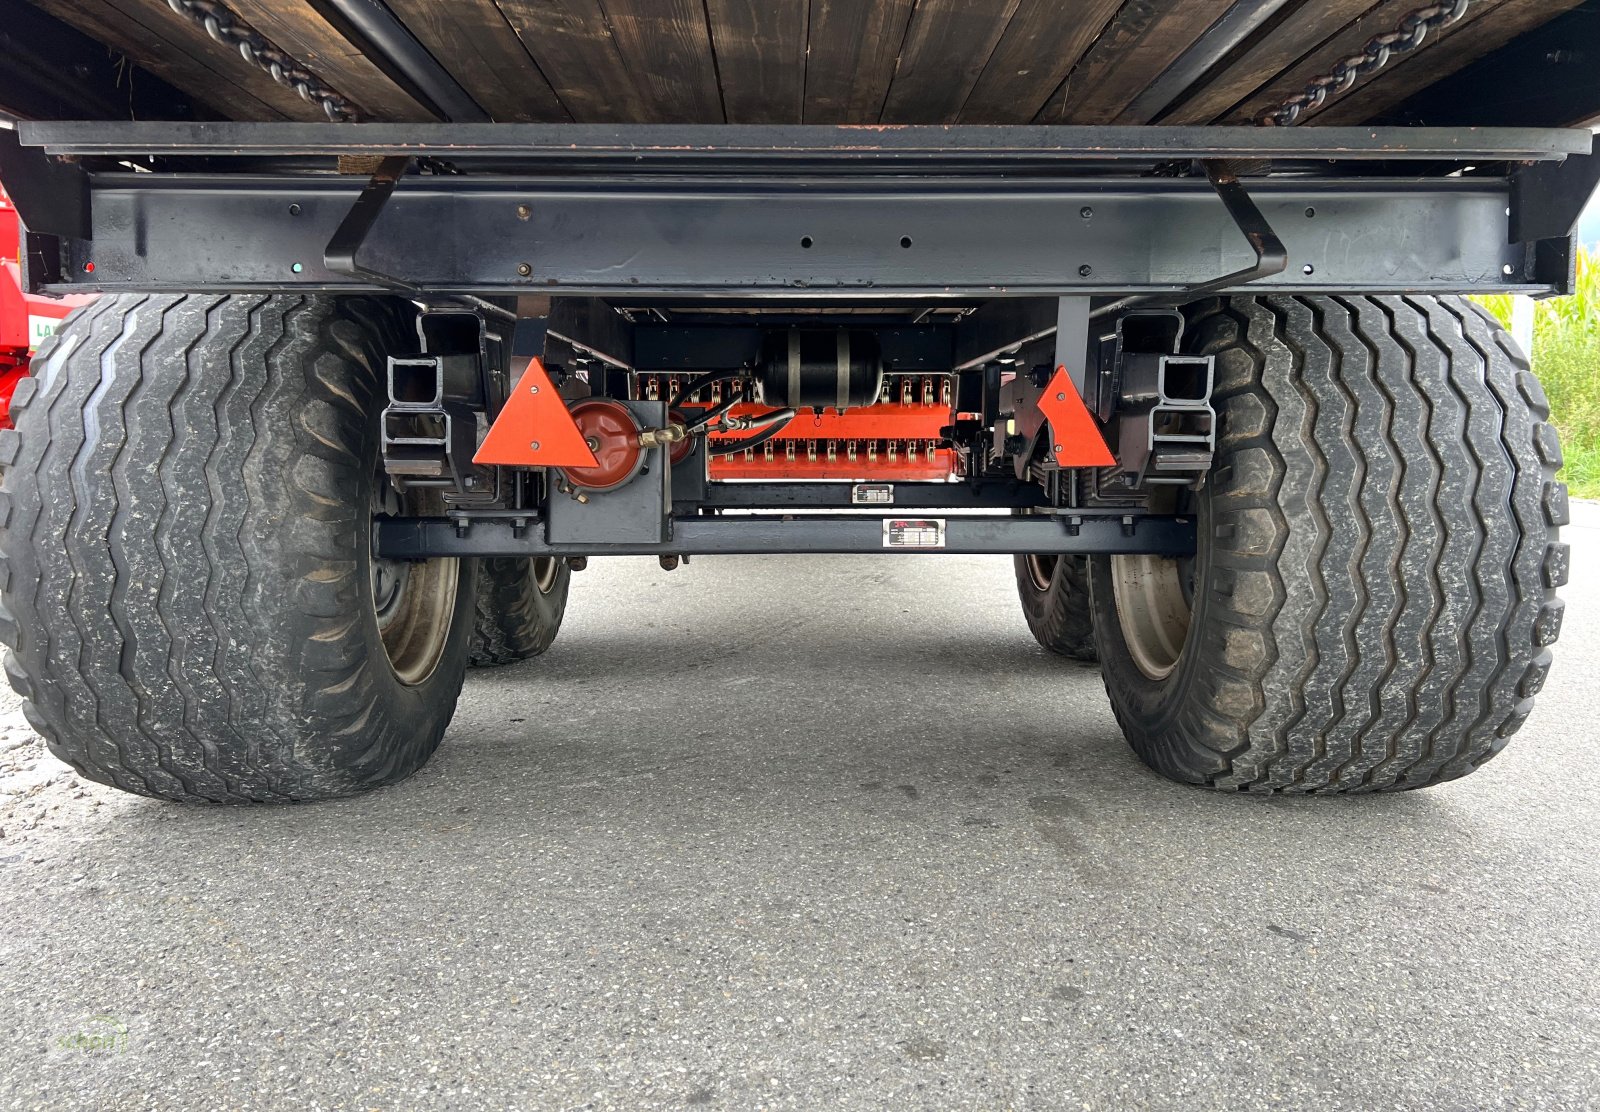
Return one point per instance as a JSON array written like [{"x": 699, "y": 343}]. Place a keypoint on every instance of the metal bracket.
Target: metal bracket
[
  {"x": 1547, "y": 199},
  {"x": 1546, "y": 204},
  {"x": 1165, "y": 423},
  {"x": 340, "y": 254},
  {"x": 351, "y": 235},
  {"x": 52, "y": 196},
  {"x": 430, "y": 426},
  {"x": 1272, "y": 257}
]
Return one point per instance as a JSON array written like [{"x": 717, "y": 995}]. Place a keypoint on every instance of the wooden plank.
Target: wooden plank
[
  {"x": 760, "y": 48},
  {"x": 472, "y": 40},
  {"x": 850, "y": 58},
  {"x": 295, "y": 27},
  {"x": 1145, "y": 38},
  {"x": 1469, "y": 41},
  {"x": 1381, "y": 19},
  {"x": 666, "y": 45},
  {"x": 1034, "y": 56},
  {"x": 182, "y": 55},
  {"x": 1291, "y": 38},
  {"x": 574, "y": 48},
  {"x": 947, "y": 45}
]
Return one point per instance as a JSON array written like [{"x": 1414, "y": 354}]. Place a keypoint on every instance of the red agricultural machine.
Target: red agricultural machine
[{"x": 25, "y": 320}]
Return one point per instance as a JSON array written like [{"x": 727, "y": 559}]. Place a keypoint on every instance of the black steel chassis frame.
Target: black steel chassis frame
[
  {"x": 779, "y": 212},
  {"x": 743, "y": 535},
  {"x": 1035, "y": 224}
]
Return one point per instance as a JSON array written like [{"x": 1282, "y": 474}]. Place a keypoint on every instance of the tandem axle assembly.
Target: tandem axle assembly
[{"x": 1214, "y": 390}]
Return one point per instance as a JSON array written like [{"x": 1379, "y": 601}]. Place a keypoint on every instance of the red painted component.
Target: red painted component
[
  {"x": 868, "y": 442},
  {"x": 10, "y": 375},
  {"x": 680, "y": 451},
  {"x": 831, "y": 459},
  {"x": 1075, "y": 438},
  {"x": 866, "y": 422},
  {"x": 611, "y": 433},
  {"x": 534, "y": 428},
  {"x": 24, "y": 320}
]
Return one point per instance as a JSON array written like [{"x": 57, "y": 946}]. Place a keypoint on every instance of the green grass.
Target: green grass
[{"x": 1566, "y": 357}]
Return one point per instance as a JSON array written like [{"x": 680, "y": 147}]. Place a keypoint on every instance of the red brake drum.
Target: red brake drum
[
  {"x": 613, "y": 436},
  {"x": 680, "y": 451}
]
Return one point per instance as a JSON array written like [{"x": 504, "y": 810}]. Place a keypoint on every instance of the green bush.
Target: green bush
[{"x": 1566, "y": 357}]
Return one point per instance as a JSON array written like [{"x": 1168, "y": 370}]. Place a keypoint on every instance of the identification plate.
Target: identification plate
[
  {"x": 872, "y": 494},
  {"x": 922, "y": 532}
]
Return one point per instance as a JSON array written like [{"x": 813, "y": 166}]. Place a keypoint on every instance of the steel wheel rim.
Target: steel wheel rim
[
  {"x": 1154, "y": 610},
  {"x": 413, "y": 601},
  {"x": 1041, "y": 567},
  {"x": 1041, "y": 570},
  {"x": 545, "y": 569}
]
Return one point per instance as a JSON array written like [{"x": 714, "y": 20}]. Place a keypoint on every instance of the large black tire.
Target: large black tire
[
  {"x": 521, "y": 601},
  {"x": 1373, "y": 596},
  {"x": 188, "y": 587},
  {"x": 1054, "y": 591}
]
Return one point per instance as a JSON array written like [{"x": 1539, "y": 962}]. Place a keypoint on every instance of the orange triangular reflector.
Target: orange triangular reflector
[
  {"x": 534, "y": 428},
  {"x": 1075, "y": 438}
]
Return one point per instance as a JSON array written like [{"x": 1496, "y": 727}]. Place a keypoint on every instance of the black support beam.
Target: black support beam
[
  {"x": 926, "y": 240},
  {"x": 420, "y": 538}
]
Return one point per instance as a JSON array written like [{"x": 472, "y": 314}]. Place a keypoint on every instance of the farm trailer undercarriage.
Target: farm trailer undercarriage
[{"x": 362, "y": 397}]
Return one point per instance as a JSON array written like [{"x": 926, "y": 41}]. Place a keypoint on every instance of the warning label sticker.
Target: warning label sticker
[
  {"x": 872, "y": 494},
  {"x": 922, "y": 532}
]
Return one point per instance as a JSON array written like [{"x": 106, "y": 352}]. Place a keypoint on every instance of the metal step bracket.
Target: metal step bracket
[
  {"x": 429, "y": 432},
  {"x": 1166, "y": 427}
]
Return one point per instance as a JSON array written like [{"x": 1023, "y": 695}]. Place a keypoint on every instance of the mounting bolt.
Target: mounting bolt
[
  {"x": 523, "y": 212},
  {"x": 578, "y": 563},
  {"x": 1057, "y": 448},
  {"x": 1061, "y": 397},
  {"x": 524, "y": 269},
  {"x": 533, "y": 389},
  {"x": 535, "y": 445},
  {"x": 1085, "y": 270},
  {"x": 669, "y": 562},
  {"x": 1086, "y": 212}
]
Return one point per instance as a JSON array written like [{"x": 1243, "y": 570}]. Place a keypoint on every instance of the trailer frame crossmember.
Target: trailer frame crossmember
[
  {"x": 524, "y": 535},
  {"x": 775, "y": 213}
]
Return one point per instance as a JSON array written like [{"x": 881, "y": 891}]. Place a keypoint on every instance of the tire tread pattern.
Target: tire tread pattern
[
  {"x": 1384, "y": 551},
  {"x": 513, "y": 619},
  {"x": 183, "y": 594},
  {"x": 1059, "y": 618}
]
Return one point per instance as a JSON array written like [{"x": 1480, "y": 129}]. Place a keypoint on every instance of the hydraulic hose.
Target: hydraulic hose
[
  {"x": 777, "y": 421},
  {"x": 698, "y": 384},
  {"x": 700, "y": 421}
]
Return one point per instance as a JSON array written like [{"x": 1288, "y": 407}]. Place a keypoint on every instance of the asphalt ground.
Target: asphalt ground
[{"x": 812, "y": 833}]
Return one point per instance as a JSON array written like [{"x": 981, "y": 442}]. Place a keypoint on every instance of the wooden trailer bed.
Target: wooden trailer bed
[{"x": 824, "y": 61}]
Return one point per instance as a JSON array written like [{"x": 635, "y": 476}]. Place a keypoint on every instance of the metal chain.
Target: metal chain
[
  {"x": 233, "y": 32},
  {"x": 1406, "y": 37}
]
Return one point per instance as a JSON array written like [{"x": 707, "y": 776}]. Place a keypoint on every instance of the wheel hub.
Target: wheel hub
[{"x": 413, "y": 601}]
